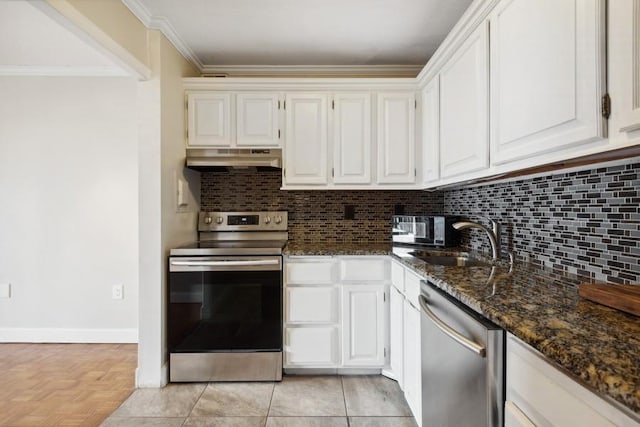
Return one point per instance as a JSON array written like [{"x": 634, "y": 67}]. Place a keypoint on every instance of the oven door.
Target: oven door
[{"x": 225, "y": 304}]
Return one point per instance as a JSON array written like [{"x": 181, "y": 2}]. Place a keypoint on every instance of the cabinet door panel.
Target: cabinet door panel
[
  {"x": 367, "y": 270},
  {"x": 310, "y": 272},
  {"x": 464, "y": 107},
  {"x": 431, "y": 130},
  {"x": 363, "y": 325},
  {"x": 209, "y": 119},
  {"x": 311, "y": 305},
  {"x": 412, "y": 359},
  {"x": 306, "y": 139},
  {"x": 396, "y": 138},
  {"x": 311, "y": 346},
  {"x": 352, "y": 138},
  {"x": 257, "y": 119},
  {"x": 545, "y": 85},
  {"x": 396, "y": 302},
  {"x": 397, "y": 276}
]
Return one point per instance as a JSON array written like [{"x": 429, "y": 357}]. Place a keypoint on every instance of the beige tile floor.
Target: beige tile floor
[{"x": 297, "y": 401}]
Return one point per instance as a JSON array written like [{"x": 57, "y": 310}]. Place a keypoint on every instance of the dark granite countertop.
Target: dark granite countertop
[
  {"x": 323, "y": 248},
  {"x": 596, "y": 345}
]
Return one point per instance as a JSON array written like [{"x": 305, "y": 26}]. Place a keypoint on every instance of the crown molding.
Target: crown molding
[
  {"x": 61, "y": 71},
  {"x": 311, "y": 70},
  {"x": 162, "y": 24}
]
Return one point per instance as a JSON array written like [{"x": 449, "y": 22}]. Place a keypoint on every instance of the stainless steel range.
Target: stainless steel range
[{"x": 224, "y": 311}]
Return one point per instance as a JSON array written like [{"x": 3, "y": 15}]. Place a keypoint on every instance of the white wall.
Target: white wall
[{"x": 69, "y": 209}]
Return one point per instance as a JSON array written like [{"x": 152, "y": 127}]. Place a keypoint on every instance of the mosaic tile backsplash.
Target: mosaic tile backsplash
[
  {"x": 315, "y": 216},
  {"x": 585, "y": 222}
]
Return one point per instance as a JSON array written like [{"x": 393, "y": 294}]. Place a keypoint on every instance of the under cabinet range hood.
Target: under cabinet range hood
[{"x": 223, "y": 158}]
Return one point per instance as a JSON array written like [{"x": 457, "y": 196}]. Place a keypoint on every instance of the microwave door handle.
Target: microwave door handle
[
  {"x": 450, "y": 332},
  {"x": 226, "y": 263}
]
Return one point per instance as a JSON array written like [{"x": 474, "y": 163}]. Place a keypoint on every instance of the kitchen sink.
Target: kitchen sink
[{"x": 460, "y": 259}]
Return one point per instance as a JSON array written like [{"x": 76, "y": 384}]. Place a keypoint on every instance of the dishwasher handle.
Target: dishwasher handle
[{"x": 450, "y": 332}]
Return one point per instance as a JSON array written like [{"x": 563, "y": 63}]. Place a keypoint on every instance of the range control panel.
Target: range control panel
[{"x": 243, "y": 221}]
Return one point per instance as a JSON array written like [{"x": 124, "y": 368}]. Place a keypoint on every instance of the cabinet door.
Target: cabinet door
[
  {"x": 363, "y": 325},
  {"x": 352, "y": 138},
  {"x": 624, "y": 64},
  {"x": 396, "y": 138},
  {"x": 209, "y": 119},
  {"x": 431, "y": 130},
  {"x": 464, "y": 107},
  {"x": 547, "y": 76},
  {"x": 311, "y": 346},
  {"x": 257, "y": 121},
  {"x": 306, "y": 139},
  {"x": 396, "y": 302},
  {"x": 412, "y": 360}
]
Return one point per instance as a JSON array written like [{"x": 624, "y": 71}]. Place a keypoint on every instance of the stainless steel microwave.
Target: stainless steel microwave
[{"x": 428, "y": 230}]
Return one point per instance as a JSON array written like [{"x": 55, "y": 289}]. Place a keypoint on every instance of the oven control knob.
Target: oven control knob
[
  {"x": 278, "y": 219},
  {"x": 208, "y": 220},
  {"x": 219, "y": 220},
  {"x": 267, "y": 220}
]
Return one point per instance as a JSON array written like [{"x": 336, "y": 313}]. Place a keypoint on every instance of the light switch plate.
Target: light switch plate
[{"x": 5, "y": 290}]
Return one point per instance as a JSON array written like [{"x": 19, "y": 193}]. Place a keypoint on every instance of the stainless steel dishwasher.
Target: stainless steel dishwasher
[{"x": 462, "y": 364}]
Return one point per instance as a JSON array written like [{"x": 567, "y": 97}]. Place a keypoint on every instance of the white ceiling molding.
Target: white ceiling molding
[
  {"x": 161, "y": 24},
  {"x": 312, "y": 70},
  {"x": 61, "y": 71}
]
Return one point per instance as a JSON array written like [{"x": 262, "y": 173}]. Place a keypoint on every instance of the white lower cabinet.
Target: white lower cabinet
[
  {"x": 396, "y": 309},
  {"x": 538, "y": 394},
  {"x": 363, "y": 325},
  {"x": 335, "y": 314},
  {"x": 405, "y": 361},
  {"x": 412, "y": 360}
]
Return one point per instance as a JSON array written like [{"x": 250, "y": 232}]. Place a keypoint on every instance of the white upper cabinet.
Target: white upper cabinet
[
  {"x": 464, "y": 107},
  {"x": 352, "y": 138},
  {"x": 547, "y": 76},
  {"x": 257, "y": 120},
  {"x": 306, "y": 147},
  {"x": 624, "y": 66},
  {"x": 396, "y": 138},
  {"x": 431, "y": 130},
  {"x": 209, "y": 119}
]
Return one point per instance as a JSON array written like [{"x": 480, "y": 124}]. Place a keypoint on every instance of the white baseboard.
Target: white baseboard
[
  {"x": 154, "y": 382},
  {"x": 62, "y": 335}
]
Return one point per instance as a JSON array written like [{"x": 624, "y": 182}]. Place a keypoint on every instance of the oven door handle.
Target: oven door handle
[
  {"x": 450, "y": 332},
  {"x": 226, "y": 263}
]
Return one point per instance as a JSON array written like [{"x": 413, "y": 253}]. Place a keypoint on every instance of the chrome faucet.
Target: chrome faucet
[{"x": 493, "y": 233}]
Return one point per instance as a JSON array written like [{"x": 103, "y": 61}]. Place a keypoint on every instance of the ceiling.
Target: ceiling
[
  {"x": 32, "y": 43},
  {"x": 217, "y": 34}
]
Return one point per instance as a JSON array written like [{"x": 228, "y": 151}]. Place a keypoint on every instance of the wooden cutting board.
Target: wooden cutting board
[{"x": 621, "y": 297}]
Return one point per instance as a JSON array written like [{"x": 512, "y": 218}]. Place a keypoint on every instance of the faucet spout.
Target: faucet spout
[{"x": 493, "y": 234}]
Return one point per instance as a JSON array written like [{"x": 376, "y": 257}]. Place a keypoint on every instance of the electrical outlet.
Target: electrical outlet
[
  {"x": 5, "y": 290},
  {"x": 349, "y": 212},
  {"x": 117, "y": 292}
]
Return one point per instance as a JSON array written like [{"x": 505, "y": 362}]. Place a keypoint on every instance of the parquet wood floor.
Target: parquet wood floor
[{"x": 63, "y": 384}]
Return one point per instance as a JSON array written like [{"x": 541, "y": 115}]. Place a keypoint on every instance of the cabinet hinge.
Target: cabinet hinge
[
  {"x": 384, "y": 297},
  {"x": 333, "y": 104},
  {"x": 284, "y": 104},
  {"x": 284, "y": 172},
  {"x": 415, "y": 173},
  {"x": 606, "y": 105},
  {"x": 332, "y": 175},
  {"x": 278, "y": 104},
  {"x": 385, "y": 352},
  {"x": 415, "y": 104},
  {"x": 278, "y": 133}
]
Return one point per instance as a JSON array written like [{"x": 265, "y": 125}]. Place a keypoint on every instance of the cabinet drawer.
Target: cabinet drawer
[
  {"x": 311, "y": 346},
  {"x": 369, "y": 270},
  {"x": 397, "y": 276},
  {"x": 310, "y": 272},
  {"x": 311, "y": 305},
  {"x": 412, "y": 287}
]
